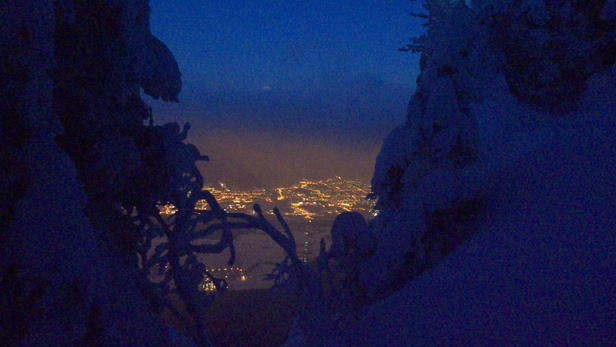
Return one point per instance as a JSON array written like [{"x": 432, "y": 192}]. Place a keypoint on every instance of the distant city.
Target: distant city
[
  {"x": 308, "y": 206},
  {"x": 307, "y": 198}
]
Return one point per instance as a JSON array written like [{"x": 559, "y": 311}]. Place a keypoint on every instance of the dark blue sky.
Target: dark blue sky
[{"x": 281, "y": 90}]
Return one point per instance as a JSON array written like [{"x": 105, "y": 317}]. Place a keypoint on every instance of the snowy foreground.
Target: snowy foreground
[
  {"x": 83, "y": 175},
  {"x": 541, "y": 268}
]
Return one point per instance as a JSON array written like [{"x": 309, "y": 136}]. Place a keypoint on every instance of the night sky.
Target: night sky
[{"x": 281, "y": 90}]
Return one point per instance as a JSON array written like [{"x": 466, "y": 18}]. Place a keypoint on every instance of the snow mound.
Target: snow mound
[{"x": 541, "y": 268}]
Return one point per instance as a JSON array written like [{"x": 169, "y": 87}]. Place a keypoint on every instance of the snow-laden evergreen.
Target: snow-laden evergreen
[
  {"x": 541, "y": 266},
  {"x": 417, "y": 172},
  {"x": 70, "y": 114},
  {"x": 495, "y": 200}
]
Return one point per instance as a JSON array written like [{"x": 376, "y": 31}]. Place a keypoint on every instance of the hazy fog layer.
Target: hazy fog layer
[{"x": 266, "y": 138}]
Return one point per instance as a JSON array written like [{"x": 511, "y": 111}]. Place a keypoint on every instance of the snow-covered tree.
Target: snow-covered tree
[
  {"x": 429, "y": 173},
  {"x": 416, "y": 179},
  {"x": 550, "y": 48},
  {"x": 83, "y": 177},
  {"x": 486, "y": 66},
  {"x": 544, "y": 50}
]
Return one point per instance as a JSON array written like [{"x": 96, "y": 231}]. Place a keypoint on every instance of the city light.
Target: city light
[{"x": 308, "y": 199}]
